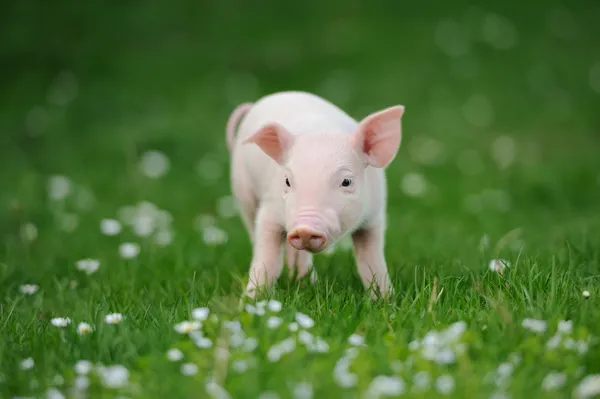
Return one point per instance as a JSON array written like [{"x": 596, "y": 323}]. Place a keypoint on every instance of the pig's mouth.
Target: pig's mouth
[{"x": 304, "y": 238}]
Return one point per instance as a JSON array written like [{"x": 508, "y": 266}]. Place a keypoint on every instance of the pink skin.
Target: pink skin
[{"x": 311, "y": 183}]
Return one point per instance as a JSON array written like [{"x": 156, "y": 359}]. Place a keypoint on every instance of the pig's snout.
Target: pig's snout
[{"x": 305, "y": 238}]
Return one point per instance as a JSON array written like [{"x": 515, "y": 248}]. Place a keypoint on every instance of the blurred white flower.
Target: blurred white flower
[
  {"x": 499, "y": 32},
  {"x": 414, "y": 184},
  {"x": 154, "y": 164},
  {"x": 188, "y": 369},
  {"x": 274, "y": 322},
  {"x": 498, "y": 265},
  {"x": 588, "y": 387},
  {"x": 226, "y": 207},
  {"x": 60, "y": 321},
  {"x": 565, "y": 327},
  {"x": 29, "y": 289},
  {"x": 213, "y": 235},
  {"x": 186, "y": 327},
  {"x": 163, "y": 237},
  {"x": 239, "y": 366},
  {"x": 203, "y": 342},
  {"x": 57, "y": 380},
  {"x": 250, "y": 344},
  {"x": 53, "y": 393},
  {"x": 504, "y": 151},
  {"x": 537, "y": 326},
  {"x": 421, "y": 381},
  {"x": 29, "y": 232},
  {"x": 113, "y": 318},
  {"x": 68, "y": 222},
  {"x": 341, "y": 372},
  {"x": 384, "y": 385},
  {"x": 59, "y": 187},
  {"x": 116, "y": 376},
  {"x": 302, "y": 390},
  {"x": 88, "y": 265},
  {"x": 200, "y": 314},
  {"x": 84, "y": 328},
  {"x": 174, "y": 354},
  {"x": 445, "y": 384},
  {"x": 274, "y": 306},
  {"x": 268, "y": 395},
  {"x": 586, "y": 294},
  {"x": 27, "y": 364},
  {"x": 356, "y": 340},
  {"x": 276, "y": 351},
  {"x": 110, "y": 227},
  {"x": 215, "y": 391},
  {"x": 83, "y": 367},
  {"x": 129, "y": 250},
  {"x": 554, "y": 381},
  {"x": 293, "y": 326},
  {"x": 81, "y": 383},
  {"x": 304, "y": 321}
]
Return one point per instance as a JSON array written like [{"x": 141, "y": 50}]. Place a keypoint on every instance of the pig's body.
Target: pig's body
[{"x": 308, "y": 138}]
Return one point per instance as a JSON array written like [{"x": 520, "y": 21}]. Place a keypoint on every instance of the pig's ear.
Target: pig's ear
[
  {"x": 274, "y": 140},
  {"x": 378, "y": 136}
]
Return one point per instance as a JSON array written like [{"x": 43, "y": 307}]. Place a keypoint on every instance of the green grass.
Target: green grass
[{"x": 151, "y": 77}]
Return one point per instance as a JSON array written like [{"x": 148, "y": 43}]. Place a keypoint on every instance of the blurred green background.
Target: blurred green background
[{"x": 500, "y": 132}]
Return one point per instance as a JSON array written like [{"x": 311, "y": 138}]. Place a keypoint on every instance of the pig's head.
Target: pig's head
[{"x": 324, "y": 185}]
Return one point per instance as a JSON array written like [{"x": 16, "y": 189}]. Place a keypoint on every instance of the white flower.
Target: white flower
[
  {"x": 319, "y": 345},
  {"x": 239, "y": 365},
  {"x": 293, "y": 326},
  {"x": 588, "y": 387},
  {"x": 88, "y": 265},
  {"x": 174, "y": 354},
  {"x": 27, "y": 364},
  {"x": 188, "y": 369},
  {"x": 274, "y": 322},
  {"x": 565, "y": 327},
  {"x": 414, "y": 184},
  {"x": 53, "y": 393},
  {"x": 268, "y": 395},
  {"x": 554, "y": 342},
  {"x": 154, "y": 164},
  {"x": 186, "y": 327},
  {"x": 586, "y": 294},
  {"x": 84, "y": 328},
  {"x": 498, "y": 265},
  {"x": 304, "y": 321},
  {"x": 421, "y": 381},
  {"x": 305, "y": 337},
  {"x": 250, "y": 344},
  {"x": 57, "y": 380},
  {"x": 554, "y": 381},
  {"x": 445, "y": 384},
  {"x": 110, "y": 227},
  {"x": 29, "y": 289},
  {"x": 303, "y": 390},
  {"x": 283, "y": 347},
  {"x": 163, "y": 237},
  {"x": 537, "y": 326},
  {"x": 356, "y": 340},
  {"x": 213, "y": 235},
  {"x": 203, "y": 342},
  {"x": 384, "y": 385},
  {"x": 129, "y": 250},
  {"x": 215, "y": 391},
  {"x": 82, "y": 383},
  {"x": 113, "y": 318},
  {"x": 342, "y": 375},
  {"x": 83, "y": 367},
  {"x": 200, "y": 314},
  {"x": 59, "y": 187},
  {"x": 116, "y": 376},
  {"x": 60, "y": 321},
  {"x": 28, "y": 231},
  {"x": 274, "y": 306}
]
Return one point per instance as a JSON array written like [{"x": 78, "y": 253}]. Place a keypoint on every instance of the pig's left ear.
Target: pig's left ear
[
  {"x": 378, "y": 136},
  {"x": 274, "y": 140}
]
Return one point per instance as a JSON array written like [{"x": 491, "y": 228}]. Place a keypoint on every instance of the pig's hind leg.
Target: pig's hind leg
[{"x": 300, "y": 261}]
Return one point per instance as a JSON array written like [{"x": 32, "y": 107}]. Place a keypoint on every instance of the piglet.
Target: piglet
[{"x": 304, "y": 174}]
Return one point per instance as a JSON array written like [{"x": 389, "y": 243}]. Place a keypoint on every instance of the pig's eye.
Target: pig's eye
[
  {"x": 287, "y": 182},
  {"x": 346, "y": 183}
]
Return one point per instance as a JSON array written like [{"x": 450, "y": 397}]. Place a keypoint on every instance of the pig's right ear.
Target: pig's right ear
[{"x": 274, "y": 140}]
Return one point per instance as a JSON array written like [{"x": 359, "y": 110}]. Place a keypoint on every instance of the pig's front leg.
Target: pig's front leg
[
  {"x": 267, "y": 259},
  {"x": 302, "y": 261},
  {"x": 370, "y": 259}
]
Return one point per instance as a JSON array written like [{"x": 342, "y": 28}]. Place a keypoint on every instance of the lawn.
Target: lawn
[{"x": 115, "y": 207}]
